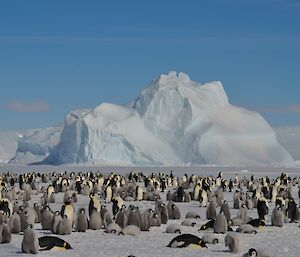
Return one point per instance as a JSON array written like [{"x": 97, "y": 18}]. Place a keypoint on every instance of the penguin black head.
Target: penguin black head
[
  {"x": 67, "y": 245},
  {"x": 202, "y": 244},
  {"x": 82, "y": 210},
  {"x": 252, "y": 252},
  {"x": 203, "y": 227}
]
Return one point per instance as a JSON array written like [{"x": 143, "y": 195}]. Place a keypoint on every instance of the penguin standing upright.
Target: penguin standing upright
[
  {"x": 277, "y": 218},
  {"x": 122, "y": 219},
  {"x": 46, "y": 218},
  {"x": 55, "y": 224},
  {"x": 15, "y": 223},
  {"x": 164, "y": 214},
  {"x": 133, "y": 217},
  {"x": 262, "y": 208},
  {"x": 220, "y": 225},
  {"x": 30, "y": 242},
  {"x": 211, "y": 212},
  {"x": 6, "y": 234},
  {"x": 65, "y": 227},
  {"x": 81, "y": 221},
  {"x": 95, "y": 221},
  {"x": 292, "y": 210},
  {"x": 225, "y": 210},
  {"x": 234, "y": 242}
]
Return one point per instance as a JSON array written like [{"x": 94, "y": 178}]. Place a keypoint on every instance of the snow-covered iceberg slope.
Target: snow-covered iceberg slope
[
  {"x": 8, "y": 145},
  {"x": 174, "y": 121}
]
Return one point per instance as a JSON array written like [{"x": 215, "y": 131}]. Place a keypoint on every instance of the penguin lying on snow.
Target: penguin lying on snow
[
  {"x": 53, "y": 243},
  {"x": 257, "y": 253},
  {"x": 187, "y": 240}
]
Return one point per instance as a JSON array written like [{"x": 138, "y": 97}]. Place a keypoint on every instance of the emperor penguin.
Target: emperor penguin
[
  {"x": 94, "y": 204},
  {"x": 210, "y": 239},
  {"x": 30, "y": 242},
  {"x": 95, "y": 221},
  {"x": 81, "y": 221},
  {"x": 113, "y": 228},
  {"x": 68, "y": 210},
  {"x": 277, "y": 218},
  {"x": 108, "y": 194},
  {"x": 211, "y": 212},
  {"x": 133, "y": 217},
  {"x": 15, "y": 223},
  {"x": 187, "y": 241},
  {"x": 175, "y": 212},
  {"x": 146, "y": 219},
  {"x": 234, "y": 242},
  {"x": 192, "y": 215},
  {"x": 55, "y": 223},
  {"x": 6, "y": 206},
  {"x": 173, "y": 228},
  {"x": 258, "y": 253},
  {"x": 225, "y": 210},
  {"x": 164, "y": 214},
  {"x": 122, "y": 219},
  {"x": 220, "y": 225},
  {"x": 130, "y": 230},
  {"x": 203, "y": 198},
  {"x": 139, "y": 193},
  {"x": 155, "y": 220},
  {"x": 243, "y": 213},
  {"x": 262, "y": 208},
  {"x": 65, "y": 227},
  {"x": 53, "y": 243},
  {"x": 38, "y": 213},
  {"x": 247, "y": 229},
  {"x": 46, "y": 218},
  {"x": 6, "y": 234},
  {"x": 117, "y": 204}
]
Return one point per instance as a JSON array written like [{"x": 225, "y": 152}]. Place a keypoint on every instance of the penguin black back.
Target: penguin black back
[{"x": 49, "y": 242}]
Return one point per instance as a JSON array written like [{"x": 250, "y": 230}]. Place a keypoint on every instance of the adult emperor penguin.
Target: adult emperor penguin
[
  {"x": 53, "y": 243},
  {"x": 187, "y": 241},
  {"x": 139, "y": 193},
  {"x": 108, "y": 194},
  {"x": 30, "y": 243},
  {"x": 81, "y": 221},
  {"x": 68, "y": 210},
  {"x": 277, "y": 218},
  {"x": 220, "y": 225},
  {"x": 262, "y": 208},
  {"x": 94, "y": 204}
]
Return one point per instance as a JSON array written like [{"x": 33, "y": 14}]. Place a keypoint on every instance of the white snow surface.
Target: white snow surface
[{"x": 174, "y": 121}]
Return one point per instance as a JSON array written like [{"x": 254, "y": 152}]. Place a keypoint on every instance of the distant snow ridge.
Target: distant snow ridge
[
  {"x": 36, "y": 144},
  {"x": 174, "y": 121}
]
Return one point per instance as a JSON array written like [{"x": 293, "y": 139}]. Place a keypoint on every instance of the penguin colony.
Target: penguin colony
[{"x": 19, "y": 216}]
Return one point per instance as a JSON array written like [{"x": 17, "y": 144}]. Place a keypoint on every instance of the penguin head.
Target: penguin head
[
  {"x": 202, "y": 243},
  {"x": 203, "y": 227},
  {"x": 252, "y": 252},
  {"x": 82, "y": 210},
  {"x": 67, "y": 245}
]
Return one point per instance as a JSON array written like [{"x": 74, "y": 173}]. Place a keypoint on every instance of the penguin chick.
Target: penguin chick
[
  {"x": 55, "y": 224},
  {"x": 15, "y": 223},
  {"x": 220, "y": 225},
  {"x": 81, "y": 222},
  {"x": 247, "y": 229},
  {"x": 187, "y": 241},
  {"x": 189, "y": 222},
  {"x": 30, "y": 242},
  {"x": 234, "y": 242},
  {"x": 113, "y": 228},
  {"x": 192, "y": 215},
  {"x": 210, "y": 239},
  {"x": 95, "y": 222},
  {"x": 257, "y": 253},
  {"x": 130, "y": 230},
  {"x": 173, "y": 228}
]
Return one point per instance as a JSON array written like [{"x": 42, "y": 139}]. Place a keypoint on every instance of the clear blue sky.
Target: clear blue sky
[{"x": 56, "y": 56}]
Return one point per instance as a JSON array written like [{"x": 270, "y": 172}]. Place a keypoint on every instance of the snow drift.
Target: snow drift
[{"x": 174, "y": 121}]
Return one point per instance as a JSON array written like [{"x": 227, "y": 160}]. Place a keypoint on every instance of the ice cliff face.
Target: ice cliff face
[
  {"x": 35, "y": 145},
  {"x": 174, "y": 121}
]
